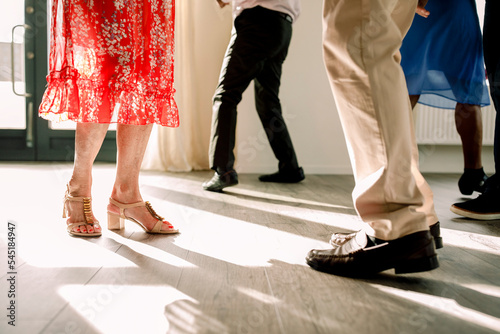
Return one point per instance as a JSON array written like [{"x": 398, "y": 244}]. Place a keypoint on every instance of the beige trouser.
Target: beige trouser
[{"x": 361, "y": 50}]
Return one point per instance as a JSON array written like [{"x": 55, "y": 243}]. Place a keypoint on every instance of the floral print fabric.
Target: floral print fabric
[{"x": 111, "y": 61}]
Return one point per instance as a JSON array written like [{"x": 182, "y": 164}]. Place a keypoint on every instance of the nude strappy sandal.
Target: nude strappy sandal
[
  {"x": 87, "y": 211},
  {"x": 117, "y": 221}
]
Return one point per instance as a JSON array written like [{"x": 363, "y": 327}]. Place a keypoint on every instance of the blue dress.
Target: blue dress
[{"x": 442, "y": 56}]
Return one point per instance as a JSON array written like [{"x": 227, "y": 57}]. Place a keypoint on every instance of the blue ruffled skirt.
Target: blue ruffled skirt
[{"x": 442, "y": 56}]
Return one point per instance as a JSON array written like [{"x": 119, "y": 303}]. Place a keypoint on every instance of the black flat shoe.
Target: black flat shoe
[
  {"x": 486, "y": 206},
  {"x": 360, "y": 256},
  {"x": 284, "y": 176},
  {"x": 221, "y": 181},
  {"x": 472, "y": 180},
  {"x": 338, "y": 239}
]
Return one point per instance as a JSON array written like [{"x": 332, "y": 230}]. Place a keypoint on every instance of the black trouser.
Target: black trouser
[
  {"x": 491, "y": 45},
  {"x": 258, "y": 48}
]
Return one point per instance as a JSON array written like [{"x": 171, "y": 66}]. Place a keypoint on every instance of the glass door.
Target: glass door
[{"x": 23, "y": 70}]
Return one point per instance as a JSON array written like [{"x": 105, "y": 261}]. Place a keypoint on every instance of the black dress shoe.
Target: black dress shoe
[
  {"x": 361, "y": 256},
  {"x": 472, "y": 180},
  {"x": 284, "y": 176},
  {"x": 338, "y": 239},
  {"x": 221, "y": 181}
]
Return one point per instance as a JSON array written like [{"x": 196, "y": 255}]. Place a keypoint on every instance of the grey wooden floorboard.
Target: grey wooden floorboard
[{"x": 238, "y": 265}]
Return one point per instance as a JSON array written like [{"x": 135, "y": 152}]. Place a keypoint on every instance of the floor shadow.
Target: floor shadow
[
  {"x": 466, "y": 297},
  {"x": 303, "y": 195},
  {"x": 275, "y": 220},
  {"x": 326, "y": 207},
  {"x": 420, "y": 304}
]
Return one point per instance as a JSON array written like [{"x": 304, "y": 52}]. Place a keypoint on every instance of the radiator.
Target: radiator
[{"x": 437, "y": 126}]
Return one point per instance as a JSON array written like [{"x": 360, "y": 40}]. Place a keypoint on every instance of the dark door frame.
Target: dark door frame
[{"x": 38, "y": 142}]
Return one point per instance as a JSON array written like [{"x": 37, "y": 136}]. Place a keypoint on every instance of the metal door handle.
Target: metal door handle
[{"x": 12, "y": 62}]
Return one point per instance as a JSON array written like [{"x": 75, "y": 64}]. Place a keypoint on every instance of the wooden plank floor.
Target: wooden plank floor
[{"x": 238, "y": 265}]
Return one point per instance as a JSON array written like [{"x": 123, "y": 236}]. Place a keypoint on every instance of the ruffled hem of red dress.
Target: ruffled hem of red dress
[{"x": 70, "y": 97}]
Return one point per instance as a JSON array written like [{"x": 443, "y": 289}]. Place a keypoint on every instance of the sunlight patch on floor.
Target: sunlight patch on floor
[
  {"x": 108, "y": 307},
  {"x": 257, "y": 295},
  {"x": 151, "y": 252},
  {"x": 469, "y": 240},
  {"x": 185, "y": 317},
  {"x": 444, "y": 305},
  {"x": 66, "y": 252},
  {"x": 490, "y": 290},
  {"x": 242, "y": 243}
]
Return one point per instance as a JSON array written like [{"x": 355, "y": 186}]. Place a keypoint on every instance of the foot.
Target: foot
[
  {"x": 143, "y": 216},
  {"x": 485, "y": 206},
  {"x": 363, "y": 256},
  {"x": 78, "y": 211},
  {"x": 338, "y": 239},
  {"x": 221, "y": 181},
  {"x": 472, "y": 180},
  {"x": 284, "y": 176}
]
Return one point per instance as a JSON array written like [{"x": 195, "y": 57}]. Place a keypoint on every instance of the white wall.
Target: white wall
[{"x": 311, "y": 115}]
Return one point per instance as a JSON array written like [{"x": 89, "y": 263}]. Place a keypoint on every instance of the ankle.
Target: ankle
[
  {"x": 77, "y": 189},
  {"x": 474, "y": 171},
  {"x": 126, "y": 194}
]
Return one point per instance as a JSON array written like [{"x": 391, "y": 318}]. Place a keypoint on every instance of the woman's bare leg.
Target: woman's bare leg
[
  {"x": 88, "y": 141},
  {"x": 414, "y": 100},
  {"x": 131, "y": 141},
  {"x": 470, "y": 128}
]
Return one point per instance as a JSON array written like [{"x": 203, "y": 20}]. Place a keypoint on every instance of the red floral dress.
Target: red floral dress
[{"x": 111, "y": 61}]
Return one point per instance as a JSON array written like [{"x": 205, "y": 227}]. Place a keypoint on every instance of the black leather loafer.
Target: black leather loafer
[
  {"x": 360, "y": 256},
  {"x": 338, "y": 239},
  {"x": 221, "y": 181},
  {"x": 284, "y": 176}
]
